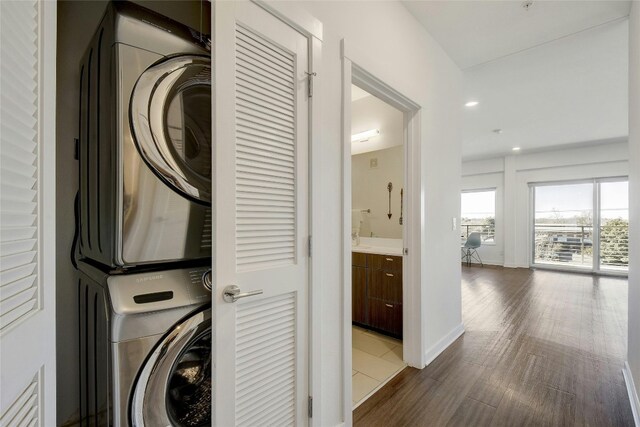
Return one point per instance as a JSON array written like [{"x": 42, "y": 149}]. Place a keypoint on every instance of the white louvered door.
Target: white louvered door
[
  {"x": 261, "y": 217},
  {"x": 27, "y": 213}
]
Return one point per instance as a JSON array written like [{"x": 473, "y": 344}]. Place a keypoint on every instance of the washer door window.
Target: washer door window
[
  {"x": 170, "y": 116},
  {"x": 174, "y": 386}
]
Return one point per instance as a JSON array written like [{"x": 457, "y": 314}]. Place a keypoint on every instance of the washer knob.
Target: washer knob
[{"x": 206, "y": 280}]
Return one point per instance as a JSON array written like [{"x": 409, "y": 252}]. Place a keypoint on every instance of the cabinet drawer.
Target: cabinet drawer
[
  {"x": 386, "y": 262},
  {"x": 386, "y": 285},
  {"x": 386, "y": 316},
  {"x": 358, "y": 259}
]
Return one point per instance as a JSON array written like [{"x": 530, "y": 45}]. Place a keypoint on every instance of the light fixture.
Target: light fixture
[
  {"x": 363, "y": 136},
  {"x": 471, "y": 104},
  {"x": 497, "y": 131},
  {"x": 516, "y": 149}
]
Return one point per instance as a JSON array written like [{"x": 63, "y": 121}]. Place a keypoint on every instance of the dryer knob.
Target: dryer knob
[{"x": 206, "y": 280}]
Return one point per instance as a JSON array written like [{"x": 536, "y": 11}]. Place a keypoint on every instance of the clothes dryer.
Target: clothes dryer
[{"x": 145, "y": 141}]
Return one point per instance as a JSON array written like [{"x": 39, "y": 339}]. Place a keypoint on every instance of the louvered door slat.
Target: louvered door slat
[
  {"x": 24, "y": 410},
  {"x": 18, "y": 163},
  {"x": 265, "y": 349}
]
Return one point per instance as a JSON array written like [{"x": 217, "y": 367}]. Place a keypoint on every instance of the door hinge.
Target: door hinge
[
  {"x": 310, "y": 407},
  {"x": 309, "y": 246},
  {"x": 310, "y": 77}
]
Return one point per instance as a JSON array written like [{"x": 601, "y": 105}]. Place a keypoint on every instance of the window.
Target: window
[
  {"x": 583, "y": 225},
  {"x": 478, "y": 214}
]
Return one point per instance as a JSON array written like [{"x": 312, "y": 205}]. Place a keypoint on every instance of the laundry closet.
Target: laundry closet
[{"x": 137, "y": 283}]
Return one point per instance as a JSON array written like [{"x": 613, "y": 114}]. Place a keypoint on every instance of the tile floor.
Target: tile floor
[{"x": 376, "y": 359}]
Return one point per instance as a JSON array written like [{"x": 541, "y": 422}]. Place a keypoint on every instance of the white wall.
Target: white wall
[
  {"x": 511, "y": 175},
  {"x": 77, "y": 21},
  {"x": 386, "y": 41},
  {"x": 369, "y": 191},
  {"x": 634, "y": 191}
]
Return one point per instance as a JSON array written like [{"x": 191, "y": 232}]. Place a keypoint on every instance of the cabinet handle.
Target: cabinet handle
[
  {"x": 389, "y": 259},
  {"x": 389, "y": 274},
  {"x": 389, "y": 305}
]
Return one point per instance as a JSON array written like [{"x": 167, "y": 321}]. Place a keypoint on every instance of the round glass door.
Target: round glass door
[
  {"x": 174, "y": 386},
  {"x": 170, "y": 115}
]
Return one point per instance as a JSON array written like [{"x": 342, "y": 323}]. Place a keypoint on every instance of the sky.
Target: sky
[
  {"x": 571, "y": 200},
  {"x": 478, "y": 204},
  {"x": 566, "y": 201}
]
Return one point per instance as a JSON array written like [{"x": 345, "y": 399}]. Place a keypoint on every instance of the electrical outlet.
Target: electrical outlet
[{"x": 454, "y": 223}]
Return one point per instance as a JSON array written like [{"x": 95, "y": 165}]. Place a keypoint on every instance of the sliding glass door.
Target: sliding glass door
[{"x": 581, "y": 225}]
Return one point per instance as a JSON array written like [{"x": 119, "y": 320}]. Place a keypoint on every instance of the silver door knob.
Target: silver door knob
[{"x": 232, "y": 293}]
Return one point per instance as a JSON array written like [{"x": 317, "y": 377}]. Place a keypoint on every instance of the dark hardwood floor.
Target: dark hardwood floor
[{"x": 540, "y": 348}]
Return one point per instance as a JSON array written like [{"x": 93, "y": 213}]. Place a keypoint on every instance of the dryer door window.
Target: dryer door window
[
  {"x": 174, "y": 386},
  {"x": 170, "y": 116}
]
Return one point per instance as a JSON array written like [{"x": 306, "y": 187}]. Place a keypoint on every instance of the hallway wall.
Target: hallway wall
[{"x": 634, "y": 205}]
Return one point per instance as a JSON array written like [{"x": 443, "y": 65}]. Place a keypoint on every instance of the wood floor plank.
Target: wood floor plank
[{"x": 540, "y": 348}]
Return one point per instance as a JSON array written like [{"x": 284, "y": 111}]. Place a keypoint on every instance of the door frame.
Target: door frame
[
  {"x": 300, "y": 20},
  {"x": 413, "y": 338}
]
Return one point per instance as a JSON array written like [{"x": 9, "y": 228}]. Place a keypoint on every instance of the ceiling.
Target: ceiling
[
  {"x": 475, "y": 32},
  {"x": 369, "y": 112},
  {"x": 556, "y": 75}
]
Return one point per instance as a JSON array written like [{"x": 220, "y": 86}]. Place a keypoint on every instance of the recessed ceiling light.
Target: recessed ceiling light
[
  {"x": 516, "y": 148},
  {"x": 497, "y": 131},
  {"x": 363, "y": 136},
  {"x": 471, "y": 104}
]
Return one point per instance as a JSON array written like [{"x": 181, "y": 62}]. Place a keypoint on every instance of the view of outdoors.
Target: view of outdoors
[
  {"x": 478, "y": 213},
  {"x": 564, "y": 224}
]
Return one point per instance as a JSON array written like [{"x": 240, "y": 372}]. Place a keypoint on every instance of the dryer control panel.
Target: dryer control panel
[{"x": 159, "y": 290}]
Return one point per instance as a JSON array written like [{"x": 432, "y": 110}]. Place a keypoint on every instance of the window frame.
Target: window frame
[{"x": 495, "y": 203}]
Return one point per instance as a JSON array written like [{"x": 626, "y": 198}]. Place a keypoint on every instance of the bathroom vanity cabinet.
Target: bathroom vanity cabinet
[{"x": 377, "y": 292}]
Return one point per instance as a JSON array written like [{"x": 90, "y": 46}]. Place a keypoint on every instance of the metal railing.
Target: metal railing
[
  {"x": 487, "y": 231},
  {"x": 614, "y": 245},
  {"x": 563, "y": 243},
  {"x": 573, "y": 244}
]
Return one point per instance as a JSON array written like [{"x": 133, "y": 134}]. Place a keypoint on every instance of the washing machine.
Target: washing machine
[
  {"x": 145, "y": 347},
  {"x": 144, "y": 141}
]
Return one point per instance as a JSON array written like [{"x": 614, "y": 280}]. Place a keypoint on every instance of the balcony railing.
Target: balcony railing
[
  {"x": 487, "y": 231},
  {"x": 573, "y": 244}
]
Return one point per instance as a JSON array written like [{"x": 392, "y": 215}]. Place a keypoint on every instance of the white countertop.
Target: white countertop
[{"x": 379, "y": 246}]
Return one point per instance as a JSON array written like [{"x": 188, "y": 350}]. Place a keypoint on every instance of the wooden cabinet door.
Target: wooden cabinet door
[
  {"x": 386, "y": 262},
  {"x": 386, "y": 285},
  {"x": 386, "y": 316},
  {"x": 359, "y": 295}
]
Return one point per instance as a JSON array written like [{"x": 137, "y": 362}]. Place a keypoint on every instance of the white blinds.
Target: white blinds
[{"x": 18, "y": 165}]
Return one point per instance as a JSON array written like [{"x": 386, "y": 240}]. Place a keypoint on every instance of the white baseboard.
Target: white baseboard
[
  {"x": 435, "y": 350},
  {"x": 633, "y": 394}
]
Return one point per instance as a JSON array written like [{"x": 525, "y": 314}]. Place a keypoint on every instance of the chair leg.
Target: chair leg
[{"x": 476, "y": 255}]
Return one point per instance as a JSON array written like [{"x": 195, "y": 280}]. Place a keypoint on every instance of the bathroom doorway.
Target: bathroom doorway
[
  {"x": 382, "y": 235},
  {"x": 377, "y": 198}
]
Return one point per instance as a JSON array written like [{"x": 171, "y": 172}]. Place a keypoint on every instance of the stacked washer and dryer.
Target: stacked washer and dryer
[{"x": 144, "y": 222}]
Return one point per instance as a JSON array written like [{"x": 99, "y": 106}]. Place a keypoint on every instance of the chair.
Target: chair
[{"x": 469, "y": 249}]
